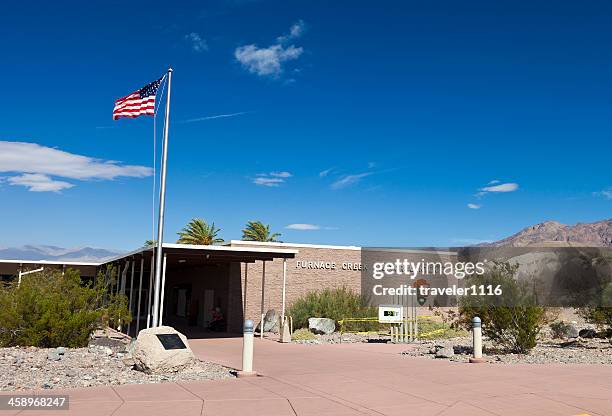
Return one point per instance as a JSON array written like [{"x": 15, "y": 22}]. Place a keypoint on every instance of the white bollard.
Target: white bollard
[
  {"x": 477, "y": 341},
  {"x": 247, "y": 350},
  {"x": 285, "y": 331}
]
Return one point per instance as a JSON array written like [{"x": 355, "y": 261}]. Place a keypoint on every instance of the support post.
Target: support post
[
  {"x": 246, "y": 285},
  {"x": 122, "y": 289},
  {"x": 247, "y": 350},
  {"x": 163, "y": 288},
  {"x": 139, "y": 295},
  {"x": 284, "y": 290},
  {"x": 149, "y": 312},
  {"x": 263, "y": 299},
  {"x": 162, "y": 204},
  {"x": 21, "y": 274},
  {"x": 118, "y": 278},
  {"x": 416, "y": 323},
  {"x": 285, "y": 332},
  {"x": 131, "y": 295},
  {"x": 124, "y": 277}
]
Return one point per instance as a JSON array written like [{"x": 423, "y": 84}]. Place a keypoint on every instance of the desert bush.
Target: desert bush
[
  {"x": 303, "y": 334},
  {"x": 49, "y": 309},
  {"x": 511, "y": 320},
  {"x": 597, "y": 315},
  {"x": 600, "y": 313},
  {"x": 335, "y": 304},
  {"x": 560, "y": 329},
  {"x": 431, "y": 329}
]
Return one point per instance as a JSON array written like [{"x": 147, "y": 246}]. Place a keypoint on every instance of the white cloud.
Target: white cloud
[
  {"x": 296, "y": 30},
  {"x": 272, "y": 179},
  {"x": 264, "y": 181},
  {"x": 303, "y": 227},
  {"x": 348, "y": 180},
  {"x": 474, "y": 206},
  {"x": 36, "y": 182},
  {"x": 269, "y": 61},
  {"x": 604, "y": 193},
  {"x": 325, "y": 172},
  {"x": 27, "y": 159},
  {"x": 504, "y": 187},
  {"x": 198, "y": 44},
  {"x": 266, "y": 61},
  {"x": 192, "y": 120},
  {"x": 493, "y": 182},
  {"x": 283, "y": 174}
]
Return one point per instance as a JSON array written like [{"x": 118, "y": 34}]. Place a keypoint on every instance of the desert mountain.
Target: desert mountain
[
  {"x": 42, "y": 252},
  {"x": 553, "y": 233}
]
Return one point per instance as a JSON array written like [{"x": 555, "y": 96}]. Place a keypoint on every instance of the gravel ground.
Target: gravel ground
[
  {"x": 582, "y": 351},
  {"x": 30, "y": 368},
  {"x": 346, "y": 339}
]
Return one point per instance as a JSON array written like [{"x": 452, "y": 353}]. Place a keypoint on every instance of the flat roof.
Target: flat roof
[
  {"x": 213, "y": 252},
  {"x": 298, "y": 245},
  {"x": 51, "y": 262}
]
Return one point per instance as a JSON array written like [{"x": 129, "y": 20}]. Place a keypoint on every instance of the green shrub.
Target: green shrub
[
  {"x": 560, "y": 329},
  {"x": 512, "y": 320},
  {"x": 303, "y": 334},
  {"x": 430, "y": 329},
  {"x": 49, "y": 309},
  {"x": 597, "y": 315},
  {"x": 335, "y": 304}
]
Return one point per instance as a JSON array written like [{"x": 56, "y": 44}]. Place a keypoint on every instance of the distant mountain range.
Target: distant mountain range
[
  {"x": 548, "y": 233},
  {"x": 553, "y": 233},
  {"x": 42, "y": 252}
]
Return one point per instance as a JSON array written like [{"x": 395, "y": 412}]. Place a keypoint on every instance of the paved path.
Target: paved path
[{"x": 358, "y": 379}]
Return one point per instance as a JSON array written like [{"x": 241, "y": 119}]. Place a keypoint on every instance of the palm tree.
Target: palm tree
[
  {"x": 198, "y": 232},
  {"x": 257, "y": 231},
  {"x": 149, "y": 243}
]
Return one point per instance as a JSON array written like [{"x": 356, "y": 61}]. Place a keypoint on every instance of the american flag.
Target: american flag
[{"x": 138, "y": 103}]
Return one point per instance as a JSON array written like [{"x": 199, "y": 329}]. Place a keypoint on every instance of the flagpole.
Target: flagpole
[{"x": 162, "y": 203}]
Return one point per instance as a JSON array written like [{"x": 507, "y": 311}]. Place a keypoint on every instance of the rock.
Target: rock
[
  {"x": 569, "y": 343},
  {"x": 150, "y": 356},
  {"x": 53, "y": 356},
  {"x": 321, "y": 325},
  {"x": 446, "y": 352},
  {"x": 270, "y": 322},
  {"x": 587, "y": 333},
  {"x": 60, "y": 350},
  {"x": 108, "y": 351},
  {"x": 129, "y": 362},
  {"x": 571, "y": 331}
]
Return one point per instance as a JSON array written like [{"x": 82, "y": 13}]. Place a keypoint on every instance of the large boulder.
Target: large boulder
[
  {"x": 150, "y": 355},
  {"x": 270, "y": 322},
  {"x": 321, "y": 325}
]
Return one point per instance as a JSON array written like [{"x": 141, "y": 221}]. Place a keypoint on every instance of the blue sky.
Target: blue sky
[{"x": 368, "y": 123}]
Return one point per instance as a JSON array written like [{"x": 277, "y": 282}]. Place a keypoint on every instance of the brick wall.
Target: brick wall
[{"x": 302, "y": 277}]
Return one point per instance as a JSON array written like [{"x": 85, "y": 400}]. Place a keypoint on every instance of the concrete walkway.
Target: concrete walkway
[{"x": 357, "y": 379}]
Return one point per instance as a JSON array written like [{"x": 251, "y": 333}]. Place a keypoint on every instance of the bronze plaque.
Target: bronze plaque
[{"x": 171, "y": 341}]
